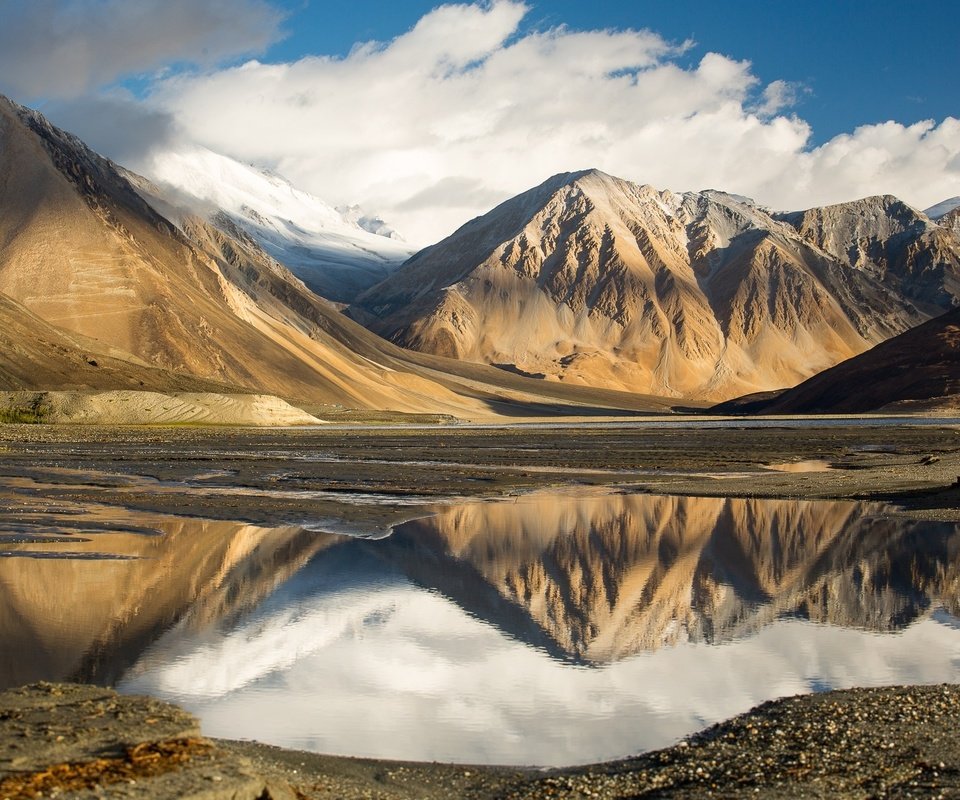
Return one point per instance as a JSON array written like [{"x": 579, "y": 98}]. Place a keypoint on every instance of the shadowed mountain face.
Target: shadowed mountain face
[
  {"x": 596, "y": 579},
  {"x": 916, "y": 371},
  {"x": 592, "y": 279}
]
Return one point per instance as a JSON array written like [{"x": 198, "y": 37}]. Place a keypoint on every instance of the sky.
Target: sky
[{"x": 430, "y": 114}]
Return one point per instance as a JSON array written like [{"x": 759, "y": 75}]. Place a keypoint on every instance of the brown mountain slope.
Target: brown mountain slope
[
  {"x": 594, "y": 280},
  {"x": 35, "y": 354},
  {"x": 917, "y": 370},
  {"x": 84, "y": 252}
]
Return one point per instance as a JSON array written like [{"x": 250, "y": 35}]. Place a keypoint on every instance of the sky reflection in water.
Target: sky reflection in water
[{"x": 560, "y": 628}]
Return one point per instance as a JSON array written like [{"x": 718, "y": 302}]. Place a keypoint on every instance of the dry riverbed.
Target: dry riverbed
[{"x": 375, "y": 476}]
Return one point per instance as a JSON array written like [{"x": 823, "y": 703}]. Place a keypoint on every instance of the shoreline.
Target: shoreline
[
  {"x": 83, "y": 741},
  {"x": 890, "y": 741},
  {"x": 280, "y": 477}
]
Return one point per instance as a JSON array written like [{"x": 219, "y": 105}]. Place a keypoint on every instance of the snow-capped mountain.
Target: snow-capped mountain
[
  {"x": 337, "y": 253},
  {"x": 943, "y": 208}
]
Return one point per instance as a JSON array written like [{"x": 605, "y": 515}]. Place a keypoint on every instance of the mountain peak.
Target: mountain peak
[
  {"x": 336, "y": 252},
  {"x": 941, "y": 209}
]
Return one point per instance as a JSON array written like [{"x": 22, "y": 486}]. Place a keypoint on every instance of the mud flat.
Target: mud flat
[{"x": 376, "y": 476}]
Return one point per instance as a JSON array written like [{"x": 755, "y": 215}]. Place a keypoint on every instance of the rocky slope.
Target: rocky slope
[
  {"x": 940, "y": 210},
  {"x": 916, "y": 371},
  {"x": 594, "y": 280},
  {"x": 898, "y": 246},
  {"x": 951, "y": 221}
]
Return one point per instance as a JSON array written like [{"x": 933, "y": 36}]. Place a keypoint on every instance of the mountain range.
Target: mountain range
[
  {"x": 585, "y": 292},
  {"x": 336, "y": 252},
  {"x": 595, "y": 280},
  {"x": 107, "y": 285}
]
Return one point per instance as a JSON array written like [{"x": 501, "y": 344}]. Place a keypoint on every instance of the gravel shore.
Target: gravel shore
[{"x": 896, "y": 742}]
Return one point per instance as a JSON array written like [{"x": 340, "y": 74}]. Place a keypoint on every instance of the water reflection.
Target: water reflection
[
  {"x": 597, "y": 578},
  {"x": 563, "y": 628},
  {"x": 552, "y": 628},
  {"x": 84, "y": 604}
]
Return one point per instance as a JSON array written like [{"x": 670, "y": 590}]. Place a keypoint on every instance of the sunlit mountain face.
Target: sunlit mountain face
[
  {"x": 591, "y": 279},
  {"x": 548, "y": 628}
]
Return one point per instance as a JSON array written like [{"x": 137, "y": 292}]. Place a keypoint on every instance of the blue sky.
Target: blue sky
[
  {"x": 458, "y": 107},
  {"x": 860, "y": 62}
]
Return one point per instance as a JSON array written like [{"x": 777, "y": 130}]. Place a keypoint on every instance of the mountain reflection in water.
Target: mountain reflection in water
[
  {"x": 551, "y": 628},
  {"x": 598, "y": 578}
]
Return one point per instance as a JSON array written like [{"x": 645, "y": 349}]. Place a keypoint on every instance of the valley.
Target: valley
[{"x": 607, "y": 465}]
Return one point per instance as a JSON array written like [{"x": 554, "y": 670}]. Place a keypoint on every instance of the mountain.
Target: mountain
[
  {"x": 90, "y": 271},
  {"x": 919, "y": 370},
  {"x": 951, "y": 221},
  {"x": 336, "y": 252},
  {"x": 940, "y": 210},
  {"x": 594, "y": 280},
  {"x": 885, "y": 238}
]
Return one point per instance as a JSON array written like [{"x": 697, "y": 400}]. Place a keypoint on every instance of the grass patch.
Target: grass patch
[{"x": 30, "y": 412}]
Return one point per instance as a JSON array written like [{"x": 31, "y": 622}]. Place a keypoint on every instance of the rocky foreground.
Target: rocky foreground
[{"x": 71, "y": 741}]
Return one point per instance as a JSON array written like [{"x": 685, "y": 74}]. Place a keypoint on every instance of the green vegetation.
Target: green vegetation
[{"x": 32, "y": 412}]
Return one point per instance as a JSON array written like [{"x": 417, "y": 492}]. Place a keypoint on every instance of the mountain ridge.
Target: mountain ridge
[
  {"x": 326, "y": 247},
  {"x": 91, "y": 255},
  {"x": 588, "y": 278}
]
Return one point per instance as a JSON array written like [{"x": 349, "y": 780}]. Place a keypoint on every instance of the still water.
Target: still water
[{"x": 552, "y": 628}]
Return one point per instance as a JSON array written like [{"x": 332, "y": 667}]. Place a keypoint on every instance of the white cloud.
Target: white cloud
[
  {"x": 778, "y": 96},
  {"x": 390, "y": 670},
  {"x": 64, "y": 48},
  {"x": 465, "y": 110}
]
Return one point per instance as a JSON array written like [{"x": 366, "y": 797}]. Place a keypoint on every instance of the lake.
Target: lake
[{"x": 547, "y": 628}]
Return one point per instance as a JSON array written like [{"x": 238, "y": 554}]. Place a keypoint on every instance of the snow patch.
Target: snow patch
[
  {"x": 337, "y": 253},
  {"x": 943, "y": 208}
]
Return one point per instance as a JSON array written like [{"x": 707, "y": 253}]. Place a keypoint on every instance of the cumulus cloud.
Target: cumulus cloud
[
  {"x": 469, "y": 108},
  {"x": 64, "y": 48}
]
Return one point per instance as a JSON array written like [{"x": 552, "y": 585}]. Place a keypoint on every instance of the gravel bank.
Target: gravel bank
[{"x": 896, "y": 742}]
